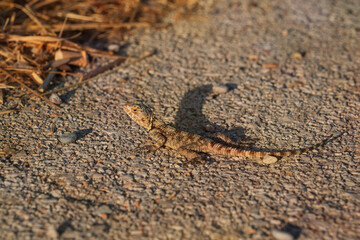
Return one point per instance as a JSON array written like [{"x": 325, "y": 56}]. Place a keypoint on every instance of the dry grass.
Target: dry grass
[{"x": 41, "y": 39}]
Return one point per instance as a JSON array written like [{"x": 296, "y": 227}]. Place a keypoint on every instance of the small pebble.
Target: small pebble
[
  {"x": 220, "y": 89},
  {"x": 113, "y": 48},
  {"x": 209, "y": 128},
  {"x": 269, "y": 159},
  {"x": 54, "y": 98},
  {"x": 350, "y": 184},
  {"x": 68, "y": 137},
  {"x": 97, "y": 177},
  {"x": 275, "y": 222},
  {"x": 19, "y": 155},
  {"x": 280, "y": 235},
  {"x": 51, "y": 232},
  {"x": 151, "y": 72},
  {"x": 297, "y": 55},
  {"x": 103, "y": 210},
  {"x": 56, "y": 193}
]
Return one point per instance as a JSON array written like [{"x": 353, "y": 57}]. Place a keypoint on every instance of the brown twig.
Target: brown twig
[
  {"x": 37, "y": 39},
  {"x": 102, "y": 69},
  {"x": 27, "y": 10},
  {"x": 47, "y": 80},
  {"x": 29, "y": 89},
  {"x": 1, "y": 96},
  {"x": 82, "y": 26},
  {"x": 53, "y": 41},
  {"x": 90, "y": 76},
  {"x": 31, "y": 70},
  {"x": 7, "y": 111}
]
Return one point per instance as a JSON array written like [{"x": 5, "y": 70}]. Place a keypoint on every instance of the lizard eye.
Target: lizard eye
[{"x": 134, "y": 110}]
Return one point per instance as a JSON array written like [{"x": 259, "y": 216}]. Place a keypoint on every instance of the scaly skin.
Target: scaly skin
[{"x": 191, "y": 145}]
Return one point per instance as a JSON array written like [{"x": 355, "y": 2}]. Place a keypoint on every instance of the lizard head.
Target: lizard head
[{"x": 140, "y": 114}]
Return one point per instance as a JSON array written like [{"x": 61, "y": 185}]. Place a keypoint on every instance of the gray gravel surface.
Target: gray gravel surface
[{"x": 278, "y": 74}]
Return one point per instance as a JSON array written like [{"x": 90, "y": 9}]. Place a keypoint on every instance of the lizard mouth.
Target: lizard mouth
[
  {"x": 126, "y": 109},
  {"x": 139, "y": 115}
]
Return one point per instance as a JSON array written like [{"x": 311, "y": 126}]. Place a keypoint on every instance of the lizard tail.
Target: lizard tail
[{"x": 232, "y": 151}]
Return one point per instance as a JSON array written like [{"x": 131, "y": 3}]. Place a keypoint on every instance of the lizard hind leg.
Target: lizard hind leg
[
  {"x": 147, "y": 149},
  {"x": 191, "y": 156}
]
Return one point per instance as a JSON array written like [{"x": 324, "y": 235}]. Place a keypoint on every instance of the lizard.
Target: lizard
[{"x": 193, "y": 146}]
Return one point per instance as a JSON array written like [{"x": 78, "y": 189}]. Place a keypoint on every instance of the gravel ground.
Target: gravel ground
[{"x": 284, "y": 74}]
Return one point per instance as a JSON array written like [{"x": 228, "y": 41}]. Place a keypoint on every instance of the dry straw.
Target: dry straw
[{"x": 40, "y": 40}]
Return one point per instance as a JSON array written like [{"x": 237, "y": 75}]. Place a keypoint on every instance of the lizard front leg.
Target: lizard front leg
[
  {"x": 223, "y": 137},
  {"x": 158, "y": 137}
]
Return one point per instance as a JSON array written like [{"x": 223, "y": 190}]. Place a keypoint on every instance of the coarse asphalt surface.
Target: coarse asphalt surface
[{"x": 284, "y": 74}]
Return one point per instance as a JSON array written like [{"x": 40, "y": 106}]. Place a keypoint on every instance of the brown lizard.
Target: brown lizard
[{"x": 191, "y": 145}]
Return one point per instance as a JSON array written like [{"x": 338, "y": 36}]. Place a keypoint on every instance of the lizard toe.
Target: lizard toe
[{"x": 145, "y": 149}]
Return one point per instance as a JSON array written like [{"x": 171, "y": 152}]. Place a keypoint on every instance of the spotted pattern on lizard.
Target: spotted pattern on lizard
[{"x": 192, "y": 145}]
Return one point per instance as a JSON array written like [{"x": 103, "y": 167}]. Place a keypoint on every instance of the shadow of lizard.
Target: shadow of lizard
[{"x": 190, "y": 117}]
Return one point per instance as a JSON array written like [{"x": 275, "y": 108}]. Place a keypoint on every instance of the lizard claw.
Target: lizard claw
[
  {"x": 194, "y": 161},
  {"x": 145, "y": 149}
]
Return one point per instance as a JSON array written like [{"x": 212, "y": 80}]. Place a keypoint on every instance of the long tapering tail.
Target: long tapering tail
[{"x": 218, "y": 148}]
